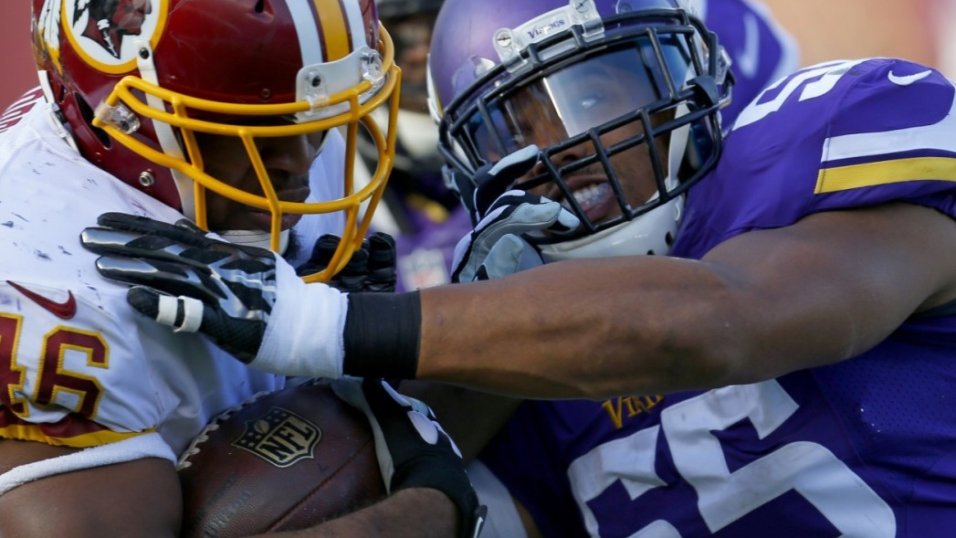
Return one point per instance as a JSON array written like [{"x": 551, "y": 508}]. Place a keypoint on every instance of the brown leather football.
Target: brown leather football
[{"x": 283, "y": 461}]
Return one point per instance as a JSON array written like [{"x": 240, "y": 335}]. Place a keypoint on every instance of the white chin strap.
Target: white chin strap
[
  {"x": 256, "y": 238},
  {"x": 646, "y": 234}
]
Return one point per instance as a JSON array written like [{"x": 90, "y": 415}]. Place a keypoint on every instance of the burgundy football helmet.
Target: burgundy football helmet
[{"x": 136, "y": 81}]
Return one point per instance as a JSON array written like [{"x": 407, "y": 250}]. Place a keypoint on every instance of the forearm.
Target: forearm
[
  {"x": 558, "y": 331},
  {"x": 756, "y": 307},
  {"x": 409, "y": 513},
  {"x": 562, "y": 331}
]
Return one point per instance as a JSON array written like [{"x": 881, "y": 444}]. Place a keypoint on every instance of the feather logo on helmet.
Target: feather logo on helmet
[
  {"x": 104, "y": 32},
  {"x": 109, "y": 21}
]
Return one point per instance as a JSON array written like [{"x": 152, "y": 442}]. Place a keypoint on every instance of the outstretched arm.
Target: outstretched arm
[{"x": 758, "y": 306}]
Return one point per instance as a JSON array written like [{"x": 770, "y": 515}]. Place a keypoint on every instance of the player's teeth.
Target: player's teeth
[{"x": 591, "y": 194}]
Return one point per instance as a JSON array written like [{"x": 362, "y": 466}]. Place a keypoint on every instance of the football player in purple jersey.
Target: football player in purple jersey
[{"x": 757, "y": 321}]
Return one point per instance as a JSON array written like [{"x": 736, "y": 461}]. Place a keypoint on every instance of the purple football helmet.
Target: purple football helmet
[{"x": 588, "y": 82}]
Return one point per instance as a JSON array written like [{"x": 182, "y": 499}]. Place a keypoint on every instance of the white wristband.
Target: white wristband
[{"x": 304, "y": 335}]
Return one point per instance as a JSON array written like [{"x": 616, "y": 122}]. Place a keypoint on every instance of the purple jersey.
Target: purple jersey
[
  {"x": 865, "y": 447},
  {"x": 760, "y": 51}
]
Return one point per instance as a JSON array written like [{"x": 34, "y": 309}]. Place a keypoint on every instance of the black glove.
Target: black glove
[
  {"x": 169, "y": 263},
  {"x": 412, "y": 448},
  {"x": 371, "y": 268}
]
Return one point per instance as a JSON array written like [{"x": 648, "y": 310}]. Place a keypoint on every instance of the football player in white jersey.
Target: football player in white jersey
[
  {"x": 781, "y": 365},
  {"x": 234, "y": 117}
]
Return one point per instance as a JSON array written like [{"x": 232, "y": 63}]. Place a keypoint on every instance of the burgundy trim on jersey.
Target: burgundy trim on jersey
[
  {"x": 71, "y": 426},
  {"x": 19, "y": 108}
]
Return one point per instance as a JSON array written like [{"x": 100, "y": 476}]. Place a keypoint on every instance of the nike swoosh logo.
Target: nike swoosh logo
[
  {"x": 62, "y": 310},
  {"x": 906, "y": 80},
  {"x": 749, "y": 58}
]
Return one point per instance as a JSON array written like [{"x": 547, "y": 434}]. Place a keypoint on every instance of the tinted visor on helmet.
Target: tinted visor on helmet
[
  {"x": 570, "y": 101},
  {"x": 593, "y": 110}
]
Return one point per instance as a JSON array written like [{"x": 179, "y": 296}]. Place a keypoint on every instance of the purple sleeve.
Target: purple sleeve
[{"x": 835, "y": 136}]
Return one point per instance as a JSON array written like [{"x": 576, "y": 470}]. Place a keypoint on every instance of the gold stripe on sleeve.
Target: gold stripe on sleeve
[{"x": 855, "y": 176}]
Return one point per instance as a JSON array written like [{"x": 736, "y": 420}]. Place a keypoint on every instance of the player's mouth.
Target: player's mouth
[
  {"x": 262, "y": 218},
  {"x": 595, "y": 196}
]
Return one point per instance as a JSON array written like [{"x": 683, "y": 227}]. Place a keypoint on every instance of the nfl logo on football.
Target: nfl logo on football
[{"x": 281, "y": 437}]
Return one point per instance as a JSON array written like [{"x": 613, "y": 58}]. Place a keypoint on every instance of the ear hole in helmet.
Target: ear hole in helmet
[{"x": 87, "y": 112}]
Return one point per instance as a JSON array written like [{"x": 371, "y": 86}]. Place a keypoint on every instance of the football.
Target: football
[{"x": 282, "y": 461}]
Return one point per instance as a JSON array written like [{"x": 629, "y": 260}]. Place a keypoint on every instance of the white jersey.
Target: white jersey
[{"x": 78, "y": 366}]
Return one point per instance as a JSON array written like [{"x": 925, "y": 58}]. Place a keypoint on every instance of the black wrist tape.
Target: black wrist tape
[{"x": 382, "y": 333}]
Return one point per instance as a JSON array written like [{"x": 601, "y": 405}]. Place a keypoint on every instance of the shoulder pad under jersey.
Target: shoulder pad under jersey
[{"x": 834, "y": 136}]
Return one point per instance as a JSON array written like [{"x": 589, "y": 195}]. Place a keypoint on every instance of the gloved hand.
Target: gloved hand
[
  {"x": 412, "y": 448},
  {"x": 497, "y": 245},
  {"x": 237, "y": 295},
  {"x": 371, "y": 268}
]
